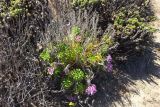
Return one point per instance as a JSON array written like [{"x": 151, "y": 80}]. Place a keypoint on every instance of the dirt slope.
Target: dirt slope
[{"x": 148, "y": 94}]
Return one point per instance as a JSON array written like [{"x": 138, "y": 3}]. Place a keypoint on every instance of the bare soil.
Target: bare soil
[{"x": 143, "y": 93}]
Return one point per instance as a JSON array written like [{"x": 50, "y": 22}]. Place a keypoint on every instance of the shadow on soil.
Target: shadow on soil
[{"x": 139, "y": 67}]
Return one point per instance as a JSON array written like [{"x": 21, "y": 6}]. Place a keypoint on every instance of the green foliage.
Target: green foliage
[
  {"x": 68, "y": 54},
  {"x": 107, "y": 42},
  {"x": 83, "y": 3},
  {"x": 75, "y": 30},
  {"x": 79, "y": 88},
  {"x": 128, "y": 21},
  {"x": 75, "y": 56},
  {"x": 15, "y": 8},
  {"x": 74, "y": 81},
  {"x": 77, "y": 75},
  {"x": 86, "y": 54},
  {"x": 45, "y": 55},
  {"x": 58, "y": 70},
  {"x": 67, "y": 83},
  {"x": 95, "y": 59}
]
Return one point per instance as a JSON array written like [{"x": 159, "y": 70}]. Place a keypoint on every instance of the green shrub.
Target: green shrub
[
  {"x": 75, "y": 31},
  {"x": 13, "y": 9},
  {"x": 74, "y": 81},
  {"x": 83, "y": 3},
  {"x": 45, "y": 55},
  {"x": 79, "y": 88},
  {"x": 77, "y": 75},
  {"x": 128, "y": 21},
  {"x": 67, "y": 83},
  {"x": 76, "y": 53}
]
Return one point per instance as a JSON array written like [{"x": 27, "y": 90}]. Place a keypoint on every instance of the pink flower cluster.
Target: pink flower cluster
[
  {"x": 50, "y": 70},
  {"x": 78, "y": 38},
  {"x": 91, "y": 90}
]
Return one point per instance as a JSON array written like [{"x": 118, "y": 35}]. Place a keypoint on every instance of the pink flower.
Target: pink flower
[
  {"x": 91, "y": 90},
  {"x": 109, "y": 58},
  {"x": 109, "y": 67},
  {"x": 50, "y": 70},
  {"x": 78, "y": 38}
]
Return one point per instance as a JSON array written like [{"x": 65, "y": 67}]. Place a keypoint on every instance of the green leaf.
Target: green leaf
[
  {"x": 45, "y": 55},
  {"x": 58, "y": 70},
  {"x": 79, "y": 88},
  {"x": 67, "y": 83},
  {"x": 77, "y": 74},
  {"x": 75, "y": 30}
]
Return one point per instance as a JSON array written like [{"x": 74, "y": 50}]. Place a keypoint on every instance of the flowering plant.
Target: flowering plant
[{"x": 76, "y": 58}]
